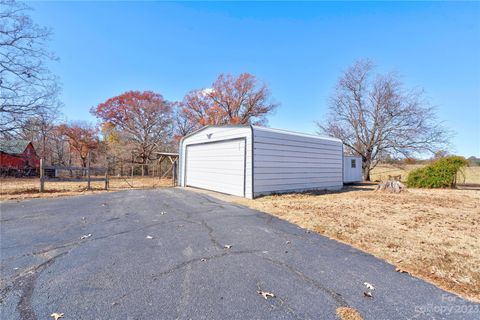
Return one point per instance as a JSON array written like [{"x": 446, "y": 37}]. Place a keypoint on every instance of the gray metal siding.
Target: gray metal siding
[{"x": 286, "y": 161}]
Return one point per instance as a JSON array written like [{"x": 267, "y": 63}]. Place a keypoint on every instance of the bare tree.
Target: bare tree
[
  {"x": 374, "y": 116},
  {"x": 61, "y": 153},
  {"x": 41, "y": 130},
  {"x": 27, "y": 88},
  {"x": 182, "y": 123}
]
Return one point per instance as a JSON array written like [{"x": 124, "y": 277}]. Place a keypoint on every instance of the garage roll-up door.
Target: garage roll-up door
[{"x": 217, "y": 166}]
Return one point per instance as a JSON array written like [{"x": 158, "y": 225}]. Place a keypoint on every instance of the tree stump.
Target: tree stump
[{"x": 393, "y": 186}]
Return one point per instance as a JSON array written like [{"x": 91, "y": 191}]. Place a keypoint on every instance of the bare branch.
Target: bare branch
[
  {"x": 374, "y": 116},
  {"x": 27, "y": 88}
]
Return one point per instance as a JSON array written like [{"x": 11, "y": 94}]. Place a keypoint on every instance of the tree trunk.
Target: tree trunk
[
  {"x": 394, "y": 186},
  {"x": 366, "y": 174},
  {"x": 366, "y": 168}
]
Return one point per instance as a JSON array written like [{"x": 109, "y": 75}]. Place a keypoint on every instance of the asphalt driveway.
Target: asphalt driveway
[{"x": 160, "y": 254}]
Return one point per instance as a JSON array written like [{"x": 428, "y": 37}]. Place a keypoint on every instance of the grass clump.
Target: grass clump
[{"x": 439, "y": 174}]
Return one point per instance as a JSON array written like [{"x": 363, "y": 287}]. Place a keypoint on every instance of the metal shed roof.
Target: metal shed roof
[
  {"x": 265, "y": 129},
  {"x": 294, "y": 133},
  {"x": 13, "y": 146}
]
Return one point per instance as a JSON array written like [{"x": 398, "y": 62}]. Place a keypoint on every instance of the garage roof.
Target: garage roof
[{"x": 294, "y": 133}]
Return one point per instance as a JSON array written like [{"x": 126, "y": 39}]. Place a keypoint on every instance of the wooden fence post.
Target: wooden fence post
[
  {"x": 106, "y": 179},
  {"x": 42, "y": 178},
  {"x": 174, "y": 172},
  {"x": 88, "y": 171}
]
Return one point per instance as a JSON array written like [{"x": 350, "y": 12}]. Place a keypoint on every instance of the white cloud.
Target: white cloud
[{"x": 207, "y": 91}]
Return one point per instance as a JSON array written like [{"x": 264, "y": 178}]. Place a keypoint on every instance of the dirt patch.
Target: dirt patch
[
  {"x": 432, "y": 234},
  {"x": 345, "y": 313},
  {"x": 27, "y": 188}
]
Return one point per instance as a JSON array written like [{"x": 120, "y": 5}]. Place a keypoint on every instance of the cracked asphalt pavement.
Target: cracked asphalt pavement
[{"x": 141, "y": 264}]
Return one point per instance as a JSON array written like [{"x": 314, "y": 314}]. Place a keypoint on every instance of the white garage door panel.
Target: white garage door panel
[{"x": 217, "y": 166}]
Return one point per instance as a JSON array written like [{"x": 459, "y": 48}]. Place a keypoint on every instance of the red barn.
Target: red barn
[{"x": 18, "y": 154}]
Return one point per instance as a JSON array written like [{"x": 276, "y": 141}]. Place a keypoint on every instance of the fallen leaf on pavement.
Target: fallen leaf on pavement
[
  {"x": 227, "y": 246},
  {"x": 266, "y": 294},
  {"x": 85, "y": 236},
  {"x": 369, "y": 286},
  {"x": 401, "y": 270},
  {"x": 346, "y": 313},
  {"x": 57, "y": 315}
]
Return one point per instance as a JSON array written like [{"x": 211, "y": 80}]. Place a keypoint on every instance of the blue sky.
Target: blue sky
[{"x": 299, "y": 49}]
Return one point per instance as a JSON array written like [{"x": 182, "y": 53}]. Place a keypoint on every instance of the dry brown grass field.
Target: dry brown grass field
[
  {"x": 432, "y": 234},
  {"x": 471, "y": 175},
  {"x": 25, "y": 188}
]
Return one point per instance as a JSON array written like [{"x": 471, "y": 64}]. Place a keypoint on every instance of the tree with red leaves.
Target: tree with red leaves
[
  {"x": 230, "y": 100},
  {"x": 142, "y": 119},
  {"x": 82, "y": 139}
]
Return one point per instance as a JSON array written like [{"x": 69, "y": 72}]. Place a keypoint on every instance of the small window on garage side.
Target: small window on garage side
[{"x": 353, "y": 163}]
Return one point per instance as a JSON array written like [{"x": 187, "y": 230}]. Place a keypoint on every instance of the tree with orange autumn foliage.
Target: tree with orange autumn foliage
[
  {"x": 82, "y": 139},
  {"x": 230, "y": 100},
  {"x": 143, "y": 120}
]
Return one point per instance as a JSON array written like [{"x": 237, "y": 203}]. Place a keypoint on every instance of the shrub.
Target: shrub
[{"x": 439, "y": 174}]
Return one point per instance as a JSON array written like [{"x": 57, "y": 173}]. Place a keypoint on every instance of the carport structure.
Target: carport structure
[
  {"x": 250, "y": 161},
  {"x": 172, "y": 160}
]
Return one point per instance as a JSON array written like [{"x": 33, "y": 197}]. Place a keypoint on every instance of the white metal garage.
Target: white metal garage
[{"x": 250, "y": 161}]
